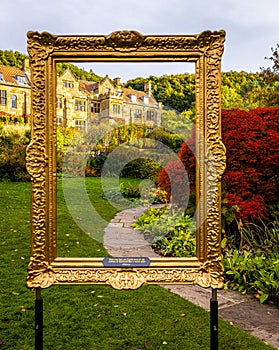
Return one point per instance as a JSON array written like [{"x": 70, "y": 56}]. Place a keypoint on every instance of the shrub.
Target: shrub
[
  {"x": 253, "y": 266},
  {"x": 19, "y": 120},
  {"x": 13, "y": 143},
  {"x": 252, "y": 273},
  {"x": 174, "y": 181},
  {"x": 12, "y": 161},
  {"x": 169, "y": 139},
  {"x": 64, "y": 137},
  {"x": 150, "y": 215},
  {"x": 250, "y": 185},
  {"x": 129, "y": 191},
  {"x": 251, "y": 177},
  {"x": 95, "y": 163},
  {"x": 142, "y": 193},
  {"x": 179, "y": 181},
  {"x": 170, "y": 232},
  {"x": 5, "y": 117},
  {"x": 141, "y": 168},
  {"x": 122, "y": 134}
]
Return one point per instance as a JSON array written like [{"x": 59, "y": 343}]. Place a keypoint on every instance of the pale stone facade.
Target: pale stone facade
[
  {"x": 72, "y": 103},
  {"x": 15, "y": 95},
  {"x": 81, "y": 103}
]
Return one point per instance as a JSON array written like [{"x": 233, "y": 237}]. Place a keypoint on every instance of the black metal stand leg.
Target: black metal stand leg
[
  {"x": 38, "y": 320},
  {"x": 214, "y": 321}
]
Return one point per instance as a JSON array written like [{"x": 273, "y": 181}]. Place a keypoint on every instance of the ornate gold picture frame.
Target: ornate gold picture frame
[{"x": 205, "y": 50}]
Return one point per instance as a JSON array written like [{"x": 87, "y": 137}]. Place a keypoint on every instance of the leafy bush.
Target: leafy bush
[
  {"x": 251, "y": 177},
  {"x": 19, "y": 120},
  {"x": 64, "y": 137},
  {"x": 169, "y": 139},
  {"x": 250, "y": 186},
  {"x": 5, "y": 118},
  {"x": 180, "y": 241},
  {"x": 174, "y": 177},
  {"x": 13, "y": 143},
  {"x": 95, "y": 163},
  {"x": 150, "y": 215},
  {"x": 254, "y": 266},
  {"x": 122, "y": 134},
  {"x": 129, "y": 191},
  {"x": 144, "y": 194},
  {"x": 254, "y": 273},
  {"x": 169, "y": 232},
  {"x": 141, "y": 168},
  {"x": 174, "y": 180}
]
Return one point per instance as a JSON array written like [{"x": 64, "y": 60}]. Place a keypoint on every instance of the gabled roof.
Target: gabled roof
[
  {"x": 68, "y": 75},
  {"x": 9, "y": 75},
  {"x": 90, "y": 86},
  {"x": 139, "y": 96},
  {"x": 87, "y": 86}
]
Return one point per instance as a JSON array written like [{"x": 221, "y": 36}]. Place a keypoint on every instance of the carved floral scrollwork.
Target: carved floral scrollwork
[
  {"x": 36, "y": 160},
  {"x": 211, "y": 274},
  {"x": 212, "y": 43},
  {"x": 40, "y": 45},
  {"x": 206, "y": 49},
  {"x": 43, "y": 39},
  {"x": 125, "y": 40},
  {"x": 126, "y": 280},
  {"x": 43, "y": 278},
  {"x": 206, "y": 276},
  {"x": 80, "y": 44},
  {"x": 216, "y": 153}
]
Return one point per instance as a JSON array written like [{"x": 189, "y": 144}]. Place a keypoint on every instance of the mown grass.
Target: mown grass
[{"x": 92, "y": 317}]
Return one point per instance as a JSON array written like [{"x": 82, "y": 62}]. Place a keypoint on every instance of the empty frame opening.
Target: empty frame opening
[{"x": 126, "y": 159}]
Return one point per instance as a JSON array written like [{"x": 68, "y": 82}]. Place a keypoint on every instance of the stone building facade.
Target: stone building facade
[
  {"x": 81, "y": 103},
  {"x": 15, "y": 94}
]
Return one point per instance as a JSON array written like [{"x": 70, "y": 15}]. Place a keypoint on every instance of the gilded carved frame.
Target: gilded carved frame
[{"x": 205, "y": 49}]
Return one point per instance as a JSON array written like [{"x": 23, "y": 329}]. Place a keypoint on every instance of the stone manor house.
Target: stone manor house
[{"x": 81, "y": 103}]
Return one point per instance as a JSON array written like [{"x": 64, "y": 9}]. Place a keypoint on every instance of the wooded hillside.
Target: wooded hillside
[{"x": 239, "y": 89}]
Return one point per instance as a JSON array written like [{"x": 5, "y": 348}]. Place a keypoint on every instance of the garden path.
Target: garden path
[{"x": 260, "y": 320}]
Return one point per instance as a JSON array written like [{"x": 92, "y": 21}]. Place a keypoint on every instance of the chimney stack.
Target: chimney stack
[
  {"x": 147, "y": 88},
  {"x": 26, "y": 68},
  {"x": 26, "y": 64},
  {"x": 117, "y": 82}
]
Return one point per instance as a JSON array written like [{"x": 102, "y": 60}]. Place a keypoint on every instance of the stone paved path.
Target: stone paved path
[{"x": 245, "y": 312}]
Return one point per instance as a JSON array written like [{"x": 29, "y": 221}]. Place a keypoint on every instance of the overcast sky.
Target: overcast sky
[{"x": 252, "y": 26}]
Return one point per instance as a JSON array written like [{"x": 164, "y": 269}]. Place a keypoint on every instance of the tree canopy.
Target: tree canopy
[
  {"x": 239, "y": 89},
  {"x": 15, "y": 59},
  {"x": 11, "y": 58},
  {"x": 79, "y": 73}
]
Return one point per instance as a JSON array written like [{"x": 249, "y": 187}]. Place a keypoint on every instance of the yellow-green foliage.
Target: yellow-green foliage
[{"x": 13, "y": 142}]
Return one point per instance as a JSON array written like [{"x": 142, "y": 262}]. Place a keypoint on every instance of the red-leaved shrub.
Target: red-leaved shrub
[{"x": 250, "y": 181}]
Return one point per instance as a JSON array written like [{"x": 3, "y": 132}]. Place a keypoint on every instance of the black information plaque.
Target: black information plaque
[{"x": 126, "y": 262}]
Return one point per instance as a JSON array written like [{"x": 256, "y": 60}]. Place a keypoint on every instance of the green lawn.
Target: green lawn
[{"x": 92, "y": 317}]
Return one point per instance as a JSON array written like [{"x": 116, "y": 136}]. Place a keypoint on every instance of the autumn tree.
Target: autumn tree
[
  {"x": 274, "y": 58},
  {"x": 271, "y": 78},
  {"x": 250, "y": 181}
]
